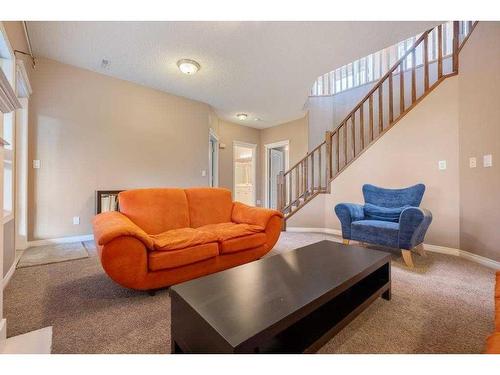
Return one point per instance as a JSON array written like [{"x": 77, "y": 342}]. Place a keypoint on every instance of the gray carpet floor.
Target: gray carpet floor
[{"x": 444, "y": 305}]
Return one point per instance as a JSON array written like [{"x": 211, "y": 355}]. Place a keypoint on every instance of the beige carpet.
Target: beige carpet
[
  {"x": 55, "y": 253},
  {"x": 445, "y": 305}
]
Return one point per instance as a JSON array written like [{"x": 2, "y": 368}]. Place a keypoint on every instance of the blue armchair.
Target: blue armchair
[{"x": 389, "y": 217}]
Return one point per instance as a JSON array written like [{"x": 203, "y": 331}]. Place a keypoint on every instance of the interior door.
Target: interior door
[
  {"x": 244, "y": 174},
  {"x": 276, "y": 165}
]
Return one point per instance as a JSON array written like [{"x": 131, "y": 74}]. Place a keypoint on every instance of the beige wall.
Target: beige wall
[
  {"x": 296, "y": 132},
  {"x": 479, "y": 117},
  {"x": 406, "y": 155},
  {"x": 96, "y": 132}
]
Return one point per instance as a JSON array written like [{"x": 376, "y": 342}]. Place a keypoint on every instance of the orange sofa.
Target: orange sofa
[
  {"x": 493, "y": 342},
  {"x": 163, "y": 237}
]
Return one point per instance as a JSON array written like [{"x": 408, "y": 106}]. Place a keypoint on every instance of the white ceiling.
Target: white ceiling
[{"x": 264, "y": 69}]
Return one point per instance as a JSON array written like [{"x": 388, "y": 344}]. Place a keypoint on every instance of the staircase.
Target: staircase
[{"x": 420, "y": 69}]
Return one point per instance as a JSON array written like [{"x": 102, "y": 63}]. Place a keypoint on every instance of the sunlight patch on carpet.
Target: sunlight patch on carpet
[{"x": 55, "y": 253}]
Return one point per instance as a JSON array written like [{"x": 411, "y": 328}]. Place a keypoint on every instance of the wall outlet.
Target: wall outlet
[
  {"x": 258, "y": 202},
  {"x": 487, "y": 160},
  {"x": 76, "y": 220},
  {"x": 472, "y": 162},
  {"x": 36, "y": 164},
  {"x": 203, "y": 173},
  {"x": 442, "y": 165}
]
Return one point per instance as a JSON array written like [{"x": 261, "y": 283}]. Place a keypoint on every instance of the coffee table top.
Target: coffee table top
[{"x": 242, "y": 302}]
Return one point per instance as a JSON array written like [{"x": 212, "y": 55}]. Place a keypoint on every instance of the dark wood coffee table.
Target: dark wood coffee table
[{"x": 288, "y": 303}]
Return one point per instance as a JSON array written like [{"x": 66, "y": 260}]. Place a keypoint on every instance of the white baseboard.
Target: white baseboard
[
  {"x": 336, "y": 232},
  {"x": 432, "y": 248},
  {"x": 51, "y": 241}
]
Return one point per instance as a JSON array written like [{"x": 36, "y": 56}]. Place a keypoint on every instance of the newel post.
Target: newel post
[
  {"x": 280, "y": 199},
  {"x": 456, "y": 40},
  {"x": 328, "y": 166}
]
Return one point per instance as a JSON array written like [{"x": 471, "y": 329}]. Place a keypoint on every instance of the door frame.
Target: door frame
[
  {"x": 213, "y": 136},
  {"x": 267, "y": 148},
  {"x": 254, "y": 167}
]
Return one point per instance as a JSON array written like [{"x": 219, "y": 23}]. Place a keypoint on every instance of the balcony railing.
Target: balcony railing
[{"x": 371, "y": 68}]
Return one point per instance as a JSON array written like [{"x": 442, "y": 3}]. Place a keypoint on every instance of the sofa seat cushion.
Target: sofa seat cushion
[
  {"x": 493, "y": 344},
  {"x": 229, "y": 230},
  {"x": 242, "y": 243},
  {"x": 181, "y": 238},
  {"x": 160, "y": 260},
  {"x": 385, "y": 233}
]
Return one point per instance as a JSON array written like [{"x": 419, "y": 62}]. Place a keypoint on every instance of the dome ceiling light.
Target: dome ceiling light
[
  {"x": 242, "y": 116},
  {"x": 188, "y": 66}
]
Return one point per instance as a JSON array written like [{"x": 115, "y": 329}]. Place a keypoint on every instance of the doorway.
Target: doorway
[
  {"x": 276, "y": 161},
  {"x": 213, "y": 159},
  {"x": 244, "y": 172}
]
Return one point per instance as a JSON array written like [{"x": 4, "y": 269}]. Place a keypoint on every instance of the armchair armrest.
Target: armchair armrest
[
  {"x": 110, "y": 225},
  {"x": 245, "y": 214},
  {"x": 413, "y": 224},
  {"x": 347, "y": 213}
]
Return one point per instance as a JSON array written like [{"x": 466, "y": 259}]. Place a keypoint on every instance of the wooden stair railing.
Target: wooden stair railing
[{"x": 404, "y": 85}]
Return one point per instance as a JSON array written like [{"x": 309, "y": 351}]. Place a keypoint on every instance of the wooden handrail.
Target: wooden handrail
[
  {"x": 303, "y": 181},
  {"x": 304, "y": 158},
  {"x": 385, "y": 76}
]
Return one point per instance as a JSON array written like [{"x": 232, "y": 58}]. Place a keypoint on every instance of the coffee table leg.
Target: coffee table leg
[
  {"x": 175, "y": 348},
  {"x": 387, "y": 294}
]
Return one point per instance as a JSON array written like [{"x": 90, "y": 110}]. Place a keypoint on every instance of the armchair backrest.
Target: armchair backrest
[{"x": 382, "y": 197}]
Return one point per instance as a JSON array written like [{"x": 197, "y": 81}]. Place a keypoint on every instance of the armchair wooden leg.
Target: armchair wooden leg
[
  {"x": 345, "y": 241},
  {"x": 420, "y": 250},
  {"x": 407, "y": 257}
]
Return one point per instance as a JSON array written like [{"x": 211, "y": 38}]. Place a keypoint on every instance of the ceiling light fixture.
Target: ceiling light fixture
[
  {"x": 188, "y": 66},
  {"x": 242, "y": 116}
]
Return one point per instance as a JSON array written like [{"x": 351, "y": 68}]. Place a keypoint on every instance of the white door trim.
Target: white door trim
[
  {"x": 268, "y": 148},
  {"x": 21, "y": 176},
  {"x": 254, "y": 167},
  {"x": 213, "y": 136}
]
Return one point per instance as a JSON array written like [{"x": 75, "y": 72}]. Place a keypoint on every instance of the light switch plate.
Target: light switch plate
[
  {"x": 76, "y": 220},
  {"x": 442, "y": 165},
  {"x": 487, "y": 160},
  {"x": 203, "y": 173},
  {"x": 472, "y": 162},
  {"x": 36, "y": 164}
]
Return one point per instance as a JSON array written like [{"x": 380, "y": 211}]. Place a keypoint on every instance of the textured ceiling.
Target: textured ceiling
[{"x": 264, "y": 69}]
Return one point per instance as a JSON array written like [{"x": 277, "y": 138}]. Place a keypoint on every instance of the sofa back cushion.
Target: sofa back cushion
[
  {"x": 209, "y": 206},
  {"x": 155, "y": 210}
]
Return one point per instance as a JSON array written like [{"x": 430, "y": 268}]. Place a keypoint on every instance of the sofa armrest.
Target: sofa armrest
[
  {"x": 244, "y": 214},
  {"x": 110, "y": 225},
  {"x": 413, "y": 224},
  {"x": 347, "y": 213}
]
